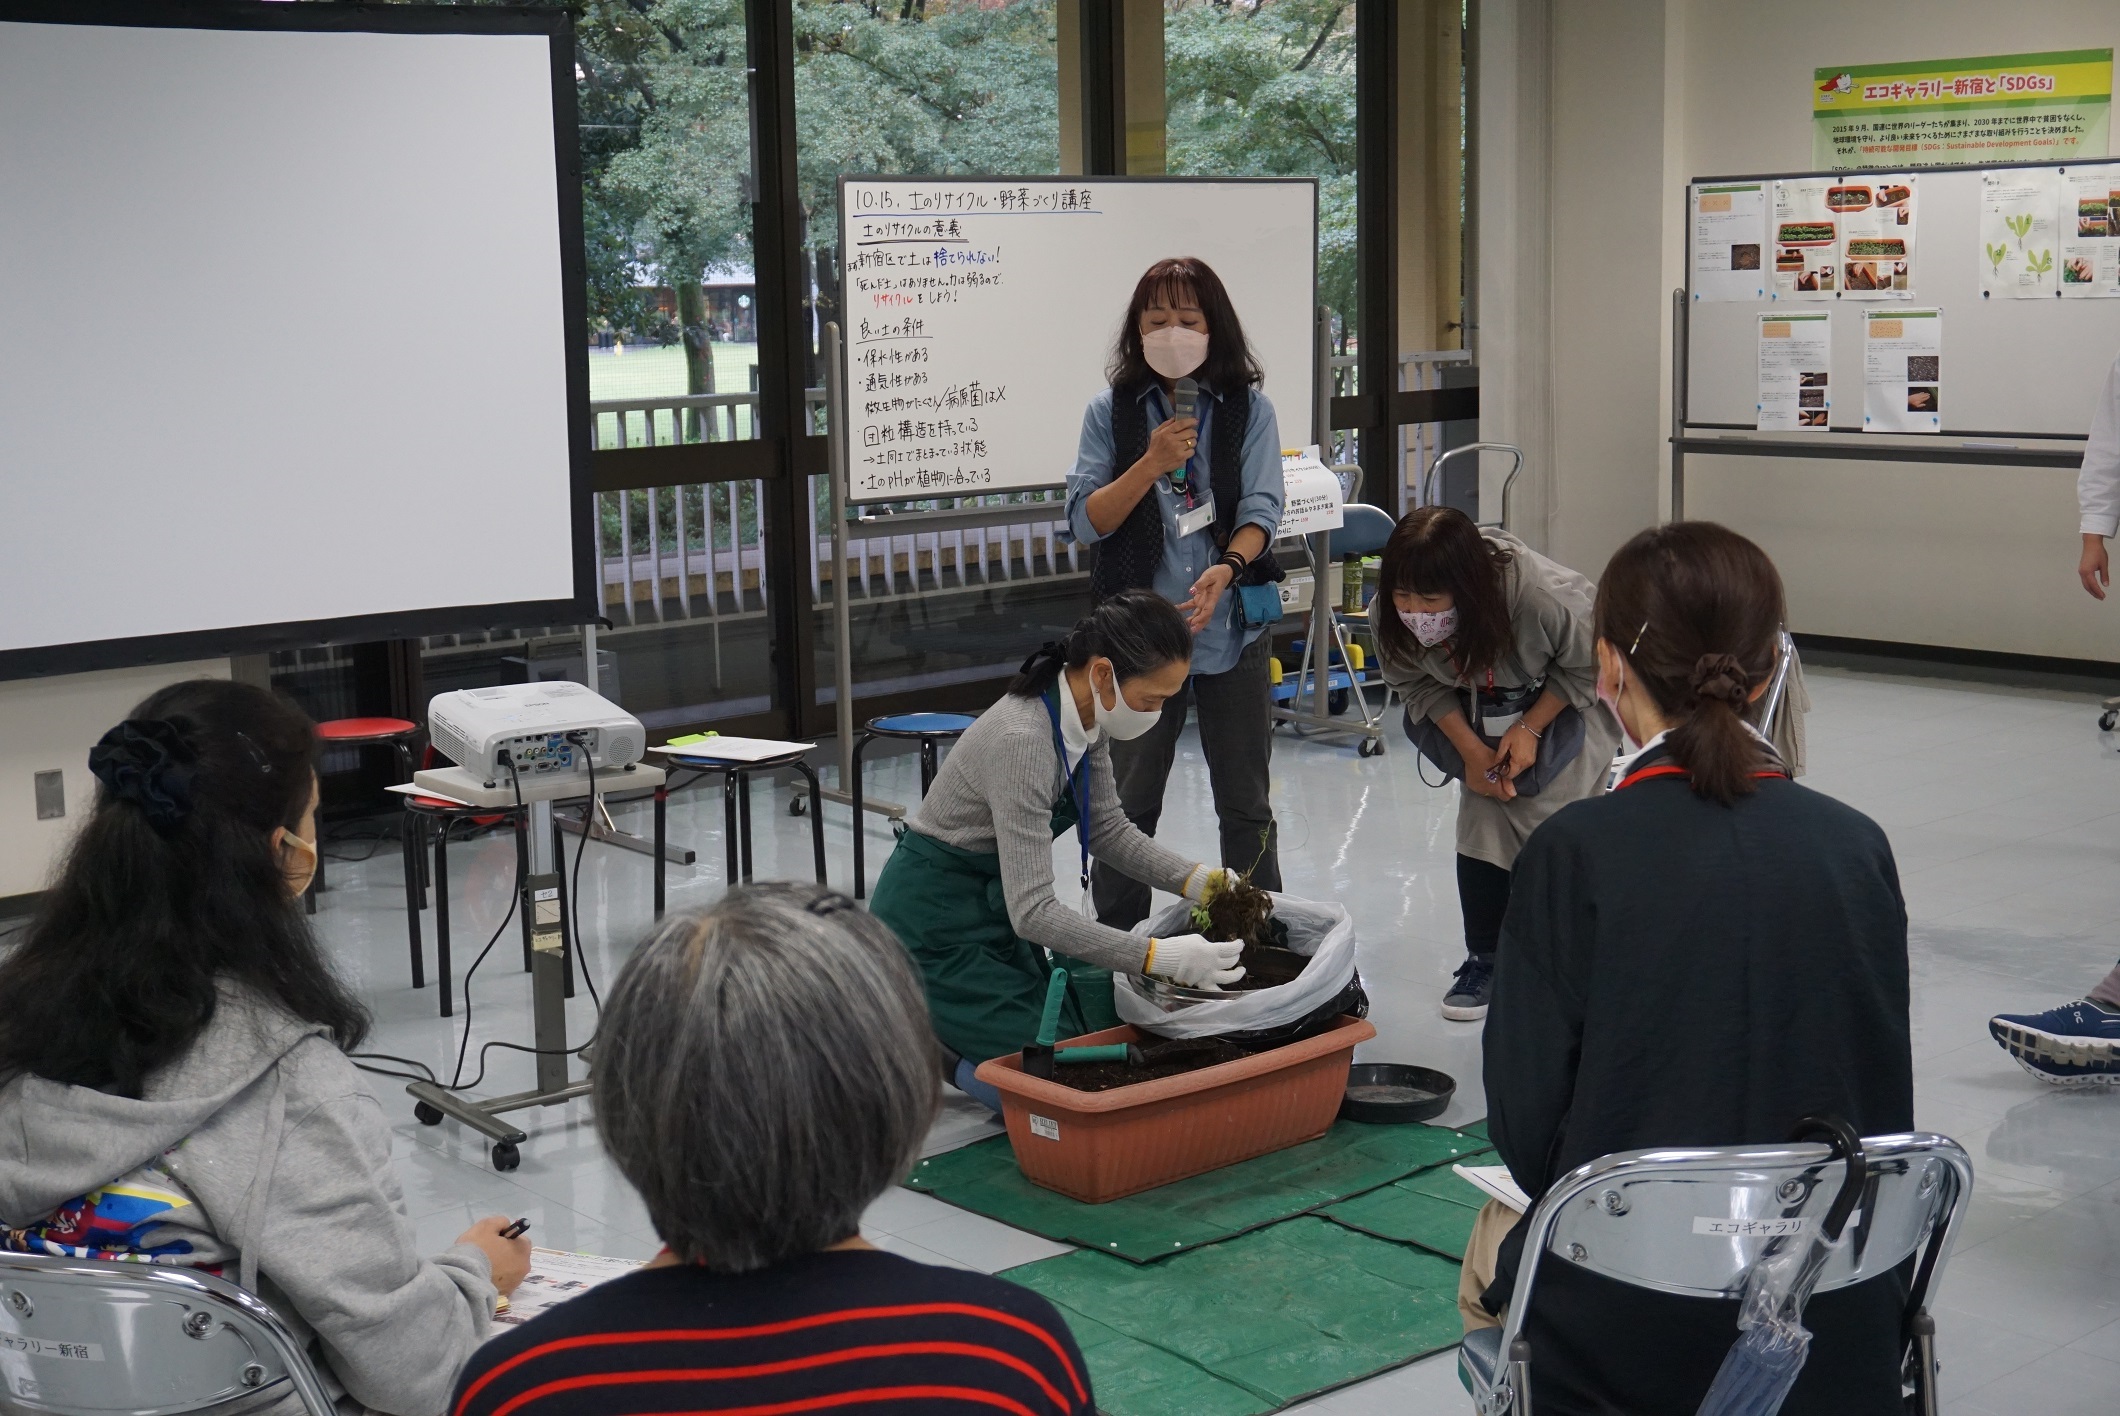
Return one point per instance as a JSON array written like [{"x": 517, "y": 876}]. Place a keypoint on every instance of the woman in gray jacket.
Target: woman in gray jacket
[
  {"x": 1491, "y": 643},
  {"x": 174, "y": 1086}
]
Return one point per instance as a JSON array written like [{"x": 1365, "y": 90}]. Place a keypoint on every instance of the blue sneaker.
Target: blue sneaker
[
  {"x": 1466, "y": 1002},
  {"x": 2075, "y": 1045}
]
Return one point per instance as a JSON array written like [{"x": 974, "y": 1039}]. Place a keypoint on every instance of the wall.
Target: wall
[
  {"x": 1642, "y": 97},
  {"x": 1882, "y": 550},
  {"x": 52, "y": 723}
]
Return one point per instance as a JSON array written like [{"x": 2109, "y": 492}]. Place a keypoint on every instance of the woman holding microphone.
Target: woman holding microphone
[
  {"x": 969, "y": 890},
  {"x": 1177, "y": 484},
  {"x": 1489, "y": 646}
]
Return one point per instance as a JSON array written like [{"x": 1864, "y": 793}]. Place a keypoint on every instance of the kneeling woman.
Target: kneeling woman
[{"x": 970, "y": 887}]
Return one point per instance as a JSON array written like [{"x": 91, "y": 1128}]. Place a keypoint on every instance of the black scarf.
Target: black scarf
[{"x": 1128, "y": 558}]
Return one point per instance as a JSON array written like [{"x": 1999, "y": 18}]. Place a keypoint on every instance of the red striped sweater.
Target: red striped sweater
[{"x": 855, "y": 1331}]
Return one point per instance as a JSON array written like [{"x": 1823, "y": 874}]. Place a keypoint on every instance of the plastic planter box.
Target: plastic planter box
[{"x": 1098, "y": 1146}]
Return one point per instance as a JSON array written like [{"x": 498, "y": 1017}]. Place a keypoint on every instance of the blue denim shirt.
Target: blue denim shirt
[{"x": 1186, "y": 558}]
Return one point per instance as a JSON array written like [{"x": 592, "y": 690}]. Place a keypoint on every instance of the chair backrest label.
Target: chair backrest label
[
  {"x": 1749, "y": 1228},
  {"x": 45, "y": 1347}
]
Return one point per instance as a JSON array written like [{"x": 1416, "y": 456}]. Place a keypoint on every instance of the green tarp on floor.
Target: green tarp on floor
[
  {"x": 1434, "y": 1209},
  {"x": 1249, "y": 1325},
  {"x": 1155, "y": 1224}
]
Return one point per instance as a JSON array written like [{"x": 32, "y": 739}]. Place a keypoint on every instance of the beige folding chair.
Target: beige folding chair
[
  {"x": 1691, "y": 1222},
  {"x": 85, "y": 1337}
]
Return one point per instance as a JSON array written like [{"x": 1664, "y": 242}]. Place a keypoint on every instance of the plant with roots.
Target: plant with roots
[
  {"x": 1997, "y": 254},
  {"x": 2021, "y": 224},
  {"x": 2039, "y": 263},
  {"x": 1233, "y": 907}
]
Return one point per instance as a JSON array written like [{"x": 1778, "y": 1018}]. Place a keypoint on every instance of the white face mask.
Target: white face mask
[
  {"x": 1174, "y": 351},
  {"x": 1120, "y": 718},
  {"x": 1611, "y": 702},
  {"x": 1431, "y": 628}
]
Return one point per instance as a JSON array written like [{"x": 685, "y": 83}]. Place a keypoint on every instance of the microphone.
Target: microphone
[{"x": 1187, "y": 399}]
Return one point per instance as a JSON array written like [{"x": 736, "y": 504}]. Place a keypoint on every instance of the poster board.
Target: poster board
[
  {"x": 2011, "y": 367},
  {"x": 979, "y": 312}
]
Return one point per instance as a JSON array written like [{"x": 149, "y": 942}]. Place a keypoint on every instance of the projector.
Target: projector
[{"x": 530, "y": 727}]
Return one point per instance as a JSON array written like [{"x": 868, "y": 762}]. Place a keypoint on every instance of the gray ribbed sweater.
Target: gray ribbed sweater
[{"x": 995, "y": 793}]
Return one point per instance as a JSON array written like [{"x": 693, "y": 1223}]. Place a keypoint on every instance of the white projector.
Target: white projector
[{"x": 539, "y": 729}]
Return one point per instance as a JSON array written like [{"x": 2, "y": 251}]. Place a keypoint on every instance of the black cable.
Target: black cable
[
  {"x": 574, "y": 891},
  {"x": 456, "y": 1081}
]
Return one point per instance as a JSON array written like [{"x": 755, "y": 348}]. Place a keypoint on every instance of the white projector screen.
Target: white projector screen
[{"x": 290, "y": 322}]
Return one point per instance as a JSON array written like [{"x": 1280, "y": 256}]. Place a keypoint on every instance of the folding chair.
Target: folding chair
[
  {"x": 1638, "y": 1217},
  {"x": 84, "y": 1337}
]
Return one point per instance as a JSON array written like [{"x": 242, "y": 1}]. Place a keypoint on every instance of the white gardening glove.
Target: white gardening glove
[
  {"x": 1193, "y": 961},
  {"x": 1202, "y": 879}
]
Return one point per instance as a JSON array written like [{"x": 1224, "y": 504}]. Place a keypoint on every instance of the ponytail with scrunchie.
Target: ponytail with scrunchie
[
  {"x": 147, "y": 762},
  {"x": 1720, "y": 678},
  {"x": 1138, "y": 630}
]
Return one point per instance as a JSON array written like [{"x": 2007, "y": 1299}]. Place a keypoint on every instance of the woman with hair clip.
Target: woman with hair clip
[
  {"x": 970, "y": 887},
  {"x": 1487, "y": 643},
  {"x": 174, "y": 1085},
  {"x": 1177, "y": 487},
  {"x": 1703, "y": 957}
]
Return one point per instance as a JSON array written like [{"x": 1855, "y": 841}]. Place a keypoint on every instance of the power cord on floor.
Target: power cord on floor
[{"x": 573, "y": 924}]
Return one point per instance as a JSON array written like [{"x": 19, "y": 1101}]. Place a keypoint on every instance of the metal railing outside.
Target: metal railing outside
[
  {"x": 695, "y": 553},
  {"x": 1419, "y": 444}
]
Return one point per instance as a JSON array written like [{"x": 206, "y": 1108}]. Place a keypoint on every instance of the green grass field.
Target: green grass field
[{"x": 655, "y": 371}]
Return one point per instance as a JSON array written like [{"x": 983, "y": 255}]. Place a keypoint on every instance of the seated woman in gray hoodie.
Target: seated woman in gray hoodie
[{"x": 174, "y": 1086}]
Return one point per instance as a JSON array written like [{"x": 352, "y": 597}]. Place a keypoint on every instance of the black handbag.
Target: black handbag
[{"x": 1560, "y": 745}]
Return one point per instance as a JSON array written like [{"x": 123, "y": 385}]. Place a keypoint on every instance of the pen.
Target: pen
[{"x": 516, "y": 1230}]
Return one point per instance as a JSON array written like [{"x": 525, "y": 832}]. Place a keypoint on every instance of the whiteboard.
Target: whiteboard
[
  {"x": 2034, "y": 367},
  {"x": 980, "y": 312},
  {"x": 278, "y": 302}
]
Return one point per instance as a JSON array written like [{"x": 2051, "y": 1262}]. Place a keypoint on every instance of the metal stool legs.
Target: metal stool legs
[
  {"x": 411, "y": 849},
  {"x": 861, "y": 869}
]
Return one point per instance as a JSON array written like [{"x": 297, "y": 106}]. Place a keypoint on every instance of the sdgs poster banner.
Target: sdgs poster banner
[{"x": 2003, "y": 108}]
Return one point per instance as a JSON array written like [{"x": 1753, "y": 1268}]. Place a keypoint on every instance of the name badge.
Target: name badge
[{"x": 1198, "y": 519}]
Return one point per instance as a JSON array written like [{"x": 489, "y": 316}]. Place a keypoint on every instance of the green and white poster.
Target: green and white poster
[{"x": 2002, "y": 108}]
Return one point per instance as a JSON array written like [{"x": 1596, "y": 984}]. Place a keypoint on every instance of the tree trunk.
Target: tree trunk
[{"x": 699, "y": 349}]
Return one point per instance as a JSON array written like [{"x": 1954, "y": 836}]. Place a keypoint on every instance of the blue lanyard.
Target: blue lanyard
[{"x": 1077, "y": 780}]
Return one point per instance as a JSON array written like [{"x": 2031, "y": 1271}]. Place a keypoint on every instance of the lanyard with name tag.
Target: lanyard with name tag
[{"x": 1198, "y": 519}]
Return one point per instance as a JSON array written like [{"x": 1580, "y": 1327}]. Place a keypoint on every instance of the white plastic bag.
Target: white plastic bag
[{"x": 1324, "y": 932}]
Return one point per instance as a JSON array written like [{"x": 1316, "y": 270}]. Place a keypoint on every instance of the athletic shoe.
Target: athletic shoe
[
  {"x": 2075, "y": 1045},
  {"x": 1466, "y": 1002}
]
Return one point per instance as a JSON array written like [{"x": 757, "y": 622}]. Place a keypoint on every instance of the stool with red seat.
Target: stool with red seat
[{"x": 394, "y": 733}]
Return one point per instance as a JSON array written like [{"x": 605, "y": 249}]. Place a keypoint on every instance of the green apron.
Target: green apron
[{"x": 985, "y": 986}]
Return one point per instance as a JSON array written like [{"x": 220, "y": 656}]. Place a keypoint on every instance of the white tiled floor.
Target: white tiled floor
[{"x": 2003, "y": 806}]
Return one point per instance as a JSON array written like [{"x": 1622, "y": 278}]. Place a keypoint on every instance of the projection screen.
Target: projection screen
[{"x": 291, "y": 329}]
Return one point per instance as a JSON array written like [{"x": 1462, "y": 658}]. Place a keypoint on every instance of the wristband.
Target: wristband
[
  {"x": 1534, "y": 732},
  {"x": 1236, "y": 563},
  {"x": 1148, "y": 963}
]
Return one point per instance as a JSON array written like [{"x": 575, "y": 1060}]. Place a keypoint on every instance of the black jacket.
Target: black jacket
[{"x": 1674, "y": 972}]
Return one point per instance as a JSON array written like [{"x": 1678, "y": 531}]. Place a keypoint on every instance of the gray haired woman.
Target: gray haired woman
[{"x": 767, "y": 1070}]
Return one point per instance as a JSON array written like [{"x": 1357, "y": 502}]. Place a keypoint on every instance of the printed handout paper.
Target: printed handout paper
[
  {"x": 2017, "y": 244},
  {"x": 1729, "y": 232},
  {"x": 1902, "y": 366},
  {"x": 555, "y": 1276},
  {"x": 1795, "y": 371},
  {"x": 2090, "y": 231},
  {"x": 1876, "y": 236},
  {"x": 1806, "y": 240}
]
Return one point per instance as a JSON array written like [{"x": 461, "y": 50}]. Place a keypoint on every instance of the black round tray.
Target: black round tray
[{"x": 1392, "y": 1093}]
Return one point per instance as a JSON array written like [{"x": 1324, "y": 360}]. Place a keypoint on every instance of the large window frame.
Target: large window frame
[{"x": 786, "y": 454}]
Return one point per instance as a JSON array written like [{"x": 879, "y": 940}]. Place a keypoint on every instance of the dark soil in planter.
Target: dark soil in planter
[
  {"x": 1242, "y": 911},
  {"x": 1168, "y": 1058}
]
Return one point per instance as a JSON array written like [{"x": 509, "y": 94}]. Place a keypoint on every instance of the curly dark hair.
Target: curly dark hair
[{"x": 172, "y": 886}]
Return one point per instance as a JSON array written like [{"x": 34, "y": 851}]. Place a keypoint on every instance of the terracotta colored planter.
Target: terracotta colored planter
[{"x": 1098, "y": 1146}]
